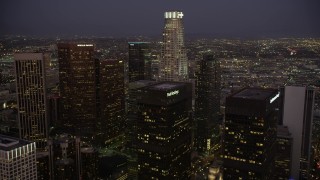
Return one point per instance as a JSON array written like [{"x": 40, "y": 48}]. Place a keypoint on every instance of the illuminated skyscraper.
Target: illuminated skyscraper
[
  {"x": 111, "y": 100},
  {"x": 250, "y": 131},
  {"x": 207, "y": 108},
  {"x": 163, "y": 139},
  {"x": 297, "y": 114},
  {"x": 31, "y": 97},
  {"x": 173, "y": 60},
  {"x": 131, "y": 130},
  {"x": 17, "y": 159},
  {"x": 77, "y": 75},
  {"x": 283, "y": 154},
  {"x": 139, "y": 61}
]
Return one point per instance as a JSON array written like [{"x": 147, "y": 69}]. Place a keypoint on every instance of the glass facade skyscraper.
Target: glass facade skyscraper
[
  {"x": 111, "y": 101},
  {"x": 207, "y": 105},
  {"x": 163, "y": 135},
  {"x": 31, "y": 97},
  {"x": 77, "y": 76},
  {"x": 284, "y": 153},
  {"x": 139, "y": 61},
  {"x": 173, "y": 59},
  {"x": 249, "y": 139}
]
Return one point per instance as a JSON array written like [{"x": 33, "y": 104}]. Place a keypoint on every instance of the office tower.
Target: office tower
[
  {"x": 173, "y": 60},
  {"x": 89, "y": 163},
  {"x": 139, "y": 61},
  {"x": 250, "y": 131},
  {"x": 111, "y": 101},
  {"x": 43, "y": 169},
  {"x": 283, "y": 153},
  {"x": 163, "y": 139},
  {"x": 17, "y": 159},
  {"x": 77, "y": 76},
  {"x": 131, "y": 129},
  {"x": 207, "y": 105},
  {"x": 64, "y": 157},
  {"x": 31, "y": 97},
  {"x": 298, "y": 116}
]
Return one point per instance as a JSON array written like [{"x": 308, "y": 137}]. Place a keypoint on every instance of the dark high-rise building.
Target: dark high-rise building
[
  {"x": 139, "y": 61},
  {"x": 53, "y": 111},
  {"x": 43, "y": 169},
  {"x": 250, "y": 131},
  {"x": 207, "y": 105},
  {"x": 283, "y": 154},
  {"x": 173, "y": 60},
  {"x": 131, "y": 129},
  {"x": 111, "y": 99},
  {"x": 297, "y": 113},
  {"x": 77, "y": 76},
  {"x": 163, "y": 139},
  {"x": 89, "y": 163},
  {"x": 64, "y": 157},
  {"x": 31, "y": 97}
]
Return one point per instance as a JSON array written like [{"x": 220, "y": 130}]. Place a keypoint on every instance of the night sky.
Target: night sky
[{"x": 218, "y": 18}]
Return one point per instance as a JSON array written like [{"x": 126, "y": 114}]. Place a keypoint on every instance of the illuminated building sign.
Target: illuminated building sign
[
  {"x": 172, "y": 93},
  {"x": 274, "y": 98},
  {"x": 84, "y": 45},
  {"x": 173, "y": 15}
]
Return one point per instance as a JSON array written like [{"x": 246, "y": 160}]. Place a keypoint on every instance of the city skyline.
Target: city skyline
[
  {"x": 144, "y": 108},
  {"x": 245, "y": 19}
]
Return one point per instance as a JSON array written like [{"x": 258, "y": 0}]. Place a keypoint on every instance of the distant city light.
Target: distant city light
[{"x": 84, "y": 45}]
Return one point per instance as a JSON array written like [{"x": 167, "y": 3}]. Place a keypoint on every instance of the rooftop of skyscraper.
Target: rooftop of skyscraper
[
  {"x": 255, "y": 93},
  {"x": 8, "y": 143},
  {"x": 140, "y": 83},
  {"x": 165, "y": 86}
]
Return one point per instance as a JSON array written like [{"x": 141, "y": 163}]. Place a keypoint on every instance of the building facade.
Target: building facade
[
  {"x": 31, "y": 97},
  {"x": 207, "y": 105},
  {"x": 17, "y": 159},
  {"x": 249, "y": 139},
  {"x": 173, "y": 58},
  {"x": 131, "y": 130},
  {"x": 297, "y": 114},
  {"x": 284, "y": 153},
  {"x": 64, "y": 157},
  {"x": 77, "y": 77},
  {"x": 163, "y": 139},
  {"x": 111, "y": 101},
  {"x": 139, "y": 61}
]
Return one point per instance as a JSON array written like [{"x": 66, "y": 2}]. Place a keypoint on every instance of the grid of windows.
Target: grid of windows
[
  {"x": 19, "y": 162},
  {"x": 173, "y": 60},
  {"x": 31, "y": 96}
]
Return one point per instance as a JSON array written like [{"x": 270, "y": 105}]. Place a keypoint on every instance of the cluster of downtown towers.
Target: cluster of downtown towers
[{"x": 165, "y": 118}]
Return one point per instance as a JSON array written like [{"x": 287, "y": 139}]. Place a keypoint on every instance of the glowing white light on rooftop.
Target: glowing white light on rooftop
[
  {"x": 274, "y": 98},
  {"x": 173, "y": 14}
]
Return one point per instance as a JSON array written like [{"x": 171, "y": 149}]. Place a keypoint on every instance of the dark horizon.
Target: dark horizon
[{"x": 239, "y": 19}]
